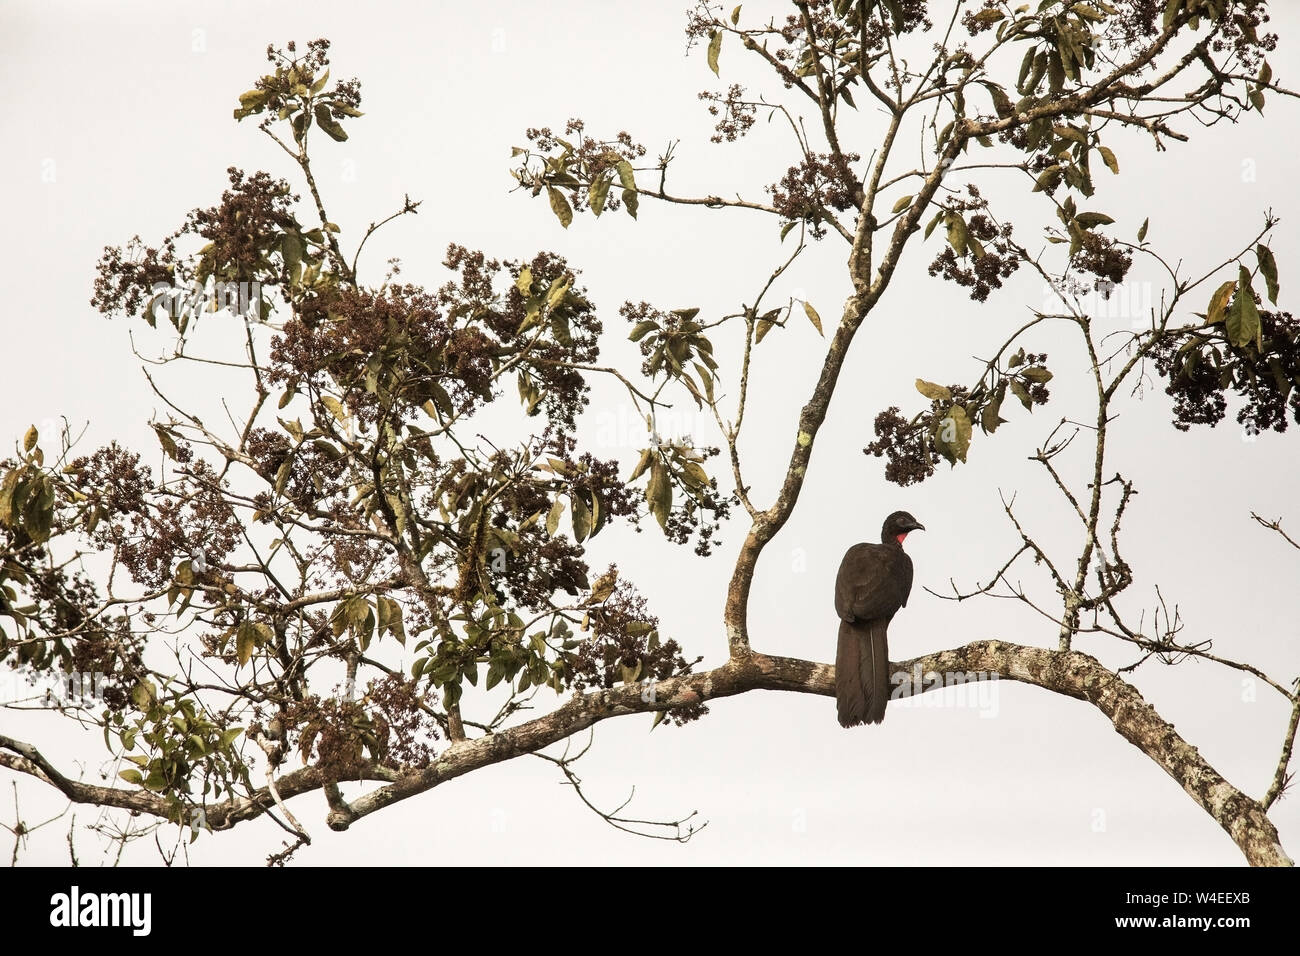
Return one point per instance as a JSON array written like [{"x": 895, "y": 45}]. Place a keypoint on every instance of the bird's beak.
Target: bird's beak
[{"x": 916, "y": 526}]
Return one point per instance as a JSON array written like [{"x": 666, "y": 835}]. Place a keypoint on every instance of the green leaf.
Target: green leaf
[
  {"x": 555, "y": 294},
  {"x": 626, "y": 177},
  {"x": 715, "y": 47},
  {"x": 1001, "y": 102},
  {"x": 1056, "y": 70},
  {"x": 143, "y": 694},
  {"x": 952, "y": 436},
  {"x": 706, "y": 377},
  {"x": 132, "y": 776},
  {"x": 641, "y": 328},
  {"x": 1018, "y": 389},
  {"x": 659, "y": 492},
  {"x": 599, "y": 514},
  {"x": 1268, "y": 269},
  {"x": 932, "y": 391},
  {"x": 896, "y": 15},
  {"x": 735, "y": 16},
  {"x": 903, "y": 203},
  {"x": 1038, "y": 374},
  {"x": 32, "y": 436},
  {"x": 164, "y": 438},
  {"x": 1109, "y": 158},
  {"x": 294, "y": 428},
  {"x": 1048, "y": 179},
  {"x": 814, "y": 318},
  {"x": 597, "y": 191},
  {"x": 1142, "y": 232},
  {"x": 957, "y": 234},
  {"x": 396, "y": 621},
  {"x": 38, "y": 509},
  {"x": 292, "y": 249},
  {"x": 694, "y": 474},
  {"x": 327, "y": 122},
  {"x": 990, "y": 417},
  {"x": 1070, "y": 133},
  {"x": 1218, "y": 307},
  {"x": 7, "y": 489},
  {"x": 560, "y": 206},
  {"x": 581, "y": 517},
  {"x": 1089, "y": 219},
  {"x": 1243, "y": 323},
  {"x": 1025, "y": 66},
  {"x": 933, "y": 222},
  {"x": 630, "y": 202},
  {"x": 335, "y": 408}
]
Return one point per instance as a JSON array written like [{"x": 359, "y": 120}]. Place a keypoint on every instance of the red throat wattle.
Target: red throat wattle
[{"x": 900, "y": 538}]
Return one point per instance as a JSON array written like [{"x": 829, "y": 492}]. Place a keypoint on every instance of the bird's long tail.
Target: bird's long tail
[{"x": 862, "y": 672}]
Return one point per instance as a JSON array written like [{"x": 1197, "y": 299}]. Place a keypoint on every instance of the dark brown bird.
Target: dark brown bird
[{"x": 873, "y": 583}]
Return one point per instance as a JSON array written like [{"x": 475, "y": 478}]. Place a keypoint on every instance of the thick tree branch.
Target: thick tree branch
[{"x": 1069, "y": 673}]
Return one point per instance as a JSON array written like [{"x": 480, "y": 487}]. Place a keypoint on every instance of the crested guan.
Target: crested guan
[{"x": 873, "y": 583}]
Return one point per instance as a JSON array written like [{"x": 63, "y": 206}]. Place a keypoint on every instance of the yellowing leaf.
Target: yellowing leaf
[
  {"x": 1219, "y": 302},
  {"x": 597, "y": 192},
  {"x": 1109, "y": 158},
  {"x": 932, "y": 391},
  {"x": 642, "y": 464},
  {"x": 560, "y": 206},
  {"x": 814, "y": 318},
  {"x": 335, "y": 407},
  {"x": 952, "y": 437},
  {"x": 245, "y": 641},
  {"x": 715, "y": 47},
  {"x": 553, "y": 517}
]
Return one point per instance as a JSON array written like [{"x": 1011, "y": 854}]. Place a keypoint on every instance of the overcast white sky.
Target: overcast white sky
[{"x": 116, "y": 119}]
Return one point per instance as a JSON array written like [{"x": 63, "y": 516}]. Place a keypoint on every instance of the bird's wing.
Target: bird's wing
[
  {"x": 905, "y": 578},
  {"x": 874, "y": 581}
]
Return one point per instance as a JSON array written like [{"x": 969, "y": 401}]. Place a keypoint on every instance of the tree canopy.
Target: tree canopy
[{"x": 377, "y": 568}]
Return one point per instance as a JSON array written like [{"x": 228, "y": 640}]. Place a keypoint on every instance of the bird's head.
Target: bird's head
[{"x": 897, "y": 527}]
